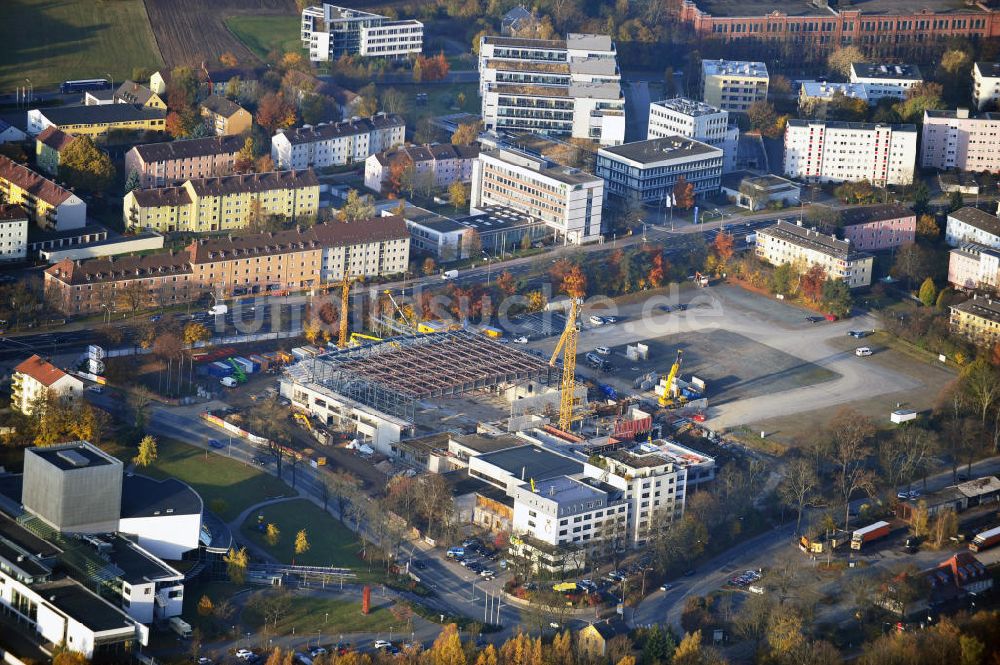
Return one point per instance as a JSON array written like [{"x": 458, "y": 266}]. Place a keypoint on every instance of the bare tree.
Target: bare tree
[
  {"x": 851, "y": 433},
  {"x": 980, "y": 382},
  {"x": 798, "y": 488},
  {"x": 434, "y": 495}
]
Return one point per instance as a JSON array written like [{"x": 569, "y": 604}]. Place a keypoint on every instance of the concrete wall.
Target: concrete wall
[{"x": 126, "y": 245}]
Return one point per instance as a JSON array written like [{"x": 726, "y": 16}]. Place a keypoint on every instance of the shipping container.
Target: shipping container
[
  {"x": 868, "y": 534},
  {"x": 220, "y": 369},
  {"x": 260, "y": 363},
  {"x": 985, "y": 540},
  {"x": 245, "y": 363}
]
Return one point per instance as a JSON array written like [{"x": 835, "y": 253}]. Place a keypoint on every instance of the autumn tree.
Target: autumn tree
[
  {"x": 507, "y": 283},
  {"x": 575, "y": 283},
  {"x": 466, "y": 133},
  {"x": 85, "y": 167},
  {"x": 722, "y": 248},
  {"x": 244, "y": 158},
  {"x": 472, "y": 242},
  {"x": 275, "y": 112},
  {"x": 227, "y": 59},
  {"x": 447, "y": 648},
  {"x": 301, "y": 543},
  {"x": 811, "y": 283},
  {"x": 927, "y": 228},
  {"x": 458, "y": 195},
  {"x": 367, "y": 102},
  {"x": 928, "y": 293},
  {"x": 683, "y": 193},
  {"x": 357, "y": 207},
  {"x": 272, "y": 534},
  {"x": 205, "y": 606},
  {"x": 429, "y": 266},
  {"x": 840, "y": 59},
  {"x": 147, "y": 452},
  {"x": 236, "y": 565},
  {"x": 763, "y": 118}
]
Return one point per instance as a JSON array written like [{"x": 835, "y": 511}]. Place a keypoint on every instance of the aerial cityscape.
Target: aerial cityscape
[{"x": 500, "y": 332}]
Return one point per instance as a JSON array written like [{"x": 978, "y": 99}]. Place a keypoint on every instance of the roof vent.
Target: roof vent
[{"x": 73, "y": 458}]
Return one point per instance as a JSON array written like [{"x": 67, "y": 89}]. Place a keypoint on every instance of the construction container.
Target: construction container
[
  {"x": 260, "y": 363},
  {"x": 219, "y": 369},
  {"x": 245, "y": 364},
  {"x": 492, "y": 332},
  {"x": 299, "y": 353},
  {"x": 427, "y": 327},
  {"x": 284, "y": 357}
]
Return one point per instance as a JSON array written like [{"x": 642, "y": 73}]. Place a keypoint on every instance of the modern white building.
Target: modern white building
[
  {"x": 437, "y": 235},
  {"x": 733, "y": 85},
  {"x": 885, "y": 80},
  {"x": 568, "y": 87},
  {"x": 972, "y": 225},
  {"x": 567, "y": 200},
  {"x": 818, "y": 151},
  {"x": 985, "y": 84},
  {"x": 649, "y": 170},
  {"x": 695, "y": 120},
  {"x": 35, "y": 379},
  {"x": 164, "y": 516},
  {"x": 957, "y": 140},
  {"x": 797, "y": 245},
  {"x": 13, "y": 232},
  {"x": 815, "y": 96},
  {"x": 336, "y": 144},
  {"x": 329, "y": 32}
]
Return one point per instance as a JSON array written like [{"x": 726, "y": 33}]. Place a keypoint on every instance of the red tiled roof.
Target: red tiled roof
[
  {"x": 42, "y": 371},
  {"x": 55, "y": 138},
  {"x": 43, "y": 188}
]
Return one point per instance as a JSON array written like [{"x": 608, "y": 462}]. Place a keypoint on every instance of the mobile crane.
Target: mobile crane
[
  {"x": 669, "y": 390},
  {"x": 567, "y": 344}
]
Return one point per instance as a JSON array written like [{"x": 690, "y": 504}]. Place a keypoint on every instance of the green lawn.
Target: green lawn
[
  {"x": 215, "y": 477},
  {"x": 331, "y": 543},
  {"x": 261, "y": 34},
  {"x": 49, "y": 42},
  {"x": 312, "y": 614}
]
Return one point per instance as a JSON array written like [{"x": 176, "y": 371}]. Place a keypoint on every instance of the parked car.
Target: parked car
[
  {"x": 611, "y": 319},
  {"x": 382, "y": 644},
  {"x": 603, "y": 350},
  {"x": 244, "y": 654},
  {"x": 858, "y": 334},
  {"x": 342, "y": 648},
  {"x": 215, "y": 443},
  {"x": 666, "y": 587},
  {"x": 317, "y": 651},
  {"x": 596, "y": 320},
  {"x": 595, "y": 360},
  {"x": 97, "y": 390},
  {"x": 520, "y": 339},
  {"x": 863, "y": 351}
]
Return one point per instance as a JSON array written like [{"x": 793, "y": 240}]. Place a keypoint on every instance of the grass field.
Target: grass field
[
  {"x": 261, "y": 34},
  {"x": 50, "y": 42},
  {"x": 313, "y": 614},
  {"x": 215, "y": 477},
  {"x": 331, "y": 543}
]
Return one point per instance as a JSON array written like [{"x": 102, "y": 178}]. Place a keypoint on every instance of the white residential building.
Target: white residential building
[
  {"x": 566, "y": 200},
  {"x": 565, "y": 512},
  {"x": 972, "y": 225},
  {"x": 434, "y": 165},
  {"x": 336, "y": 144},
  {"x": 885, "y": 80},
  {"x": 695, "y": 120},
  {"x": 957, "y": 140},
  {"x": 329, "y": 32},
  {"x": 794, "y": 244},
  {"x": 985, "y": 84},
  {"x": 13, "y": 232},
  {"x": 36, "y": 379},
  {"x": 648, "y": 170},
  {"x": 815, "y": 96},
  {"x": 733, "y": 85},
  {"x": 818, "y": 151},
  {"x": 568, "y": 87}
]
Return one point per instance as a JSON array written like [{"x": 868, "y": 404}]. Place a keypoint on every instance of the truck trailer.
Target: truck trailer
[
  {"x": 868, "y": 534},
  {"x": 985, "y": 540}
]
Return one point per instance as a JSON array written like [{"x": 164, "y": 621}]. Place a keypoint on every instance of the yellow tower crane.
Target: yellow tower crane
[
  {"x": 567, "y": 345},
  {"x": 667, "y": 398},
  {"x": 345, "y": 303}
]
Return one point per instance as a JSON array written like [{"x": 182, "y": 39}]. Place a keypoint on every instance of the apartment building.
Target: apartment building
[
  {"x": 695, "y": 120},
  {"x": 329, "y": 31},
  {"x": 973, "y": 266},
  {"x": 336, "y": 144},
  {"x": 815, "y": 96},
  {"x": 563, "y": 87},
  {"x": 201, "y": 205},
  {"x": 10, "y": 134},
  {"x": 885, "y": 80},
  {"x": 977, "y": 319},
  {"x": 172, "y": 162},
  {"x": 36, "y": 379},
  {"x": 985, "y": 84},
  {"x": 255, "y": 263},
  {"x": 970, "y": 224},
  {"x": 733, "y": 85},
  {"x": 797, "y": 245},
  {"x": 13, "y": 232},
  {"x": 818, "y": 151},
  {"x": 50, "y": 206},
  {"x": 96, "y": 121},
  {"x": 434, "y": 165},
  {"x": 876, "y": 228},
  {"x": 566, "y": 200},
  {"x": 648, "y": 170},
  {"x": 224, "y": 117},
  {"x": 130, "y": 92},
  {"x": 49, "y": 146},
  {"x": 957, "y": 140}
]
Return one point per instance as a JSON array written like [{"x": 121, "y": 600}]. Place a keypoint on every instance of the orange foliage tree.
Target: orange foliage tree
[
  {"x": 811, "y": 283},
  {"x": 275, "y": 112}
]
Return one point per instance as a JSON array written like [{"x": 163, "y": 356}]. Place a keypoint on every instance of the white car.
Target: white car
[
  {"x": 596, "y": 320},
  {"x": 603, "y": 350},
  {"x": 95, "y": 389},
  {"x": 520, "y": 340},
  {"x": 382, "y": 644},
  {"x": 244, "y": 654},
  {"x": 863, "y": 351}
]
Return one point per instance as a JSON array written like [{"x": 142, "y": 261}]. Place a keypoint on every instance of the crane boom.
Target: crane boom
[
  {"x": 666, "y": 398},
  {"x": 567, "y": 345}
]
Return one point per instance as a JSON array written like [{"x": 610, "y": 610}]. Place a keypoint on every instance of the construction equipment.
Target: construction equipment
[
  {"x": 345, "y": 304},
  {"x": 303, "y": 419},
  {"x": 669, "y": 386},
  {"x": 356, "y": 337},
  {"x": 238, "y": 373},
  {"x": 412, "y": 324},
  {"x": 567, "y": 345}
]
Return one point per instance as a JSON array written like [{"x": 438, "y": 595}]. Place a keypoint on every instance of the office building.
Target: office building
[
  {"x": 817, "y": 151},
  {"x": 569, "y": 87},
  {"x": 647, "y": 171},
  {"x": 173, "y": 162},
  {"x": 733, "y": 85},
  {"x": 970, "y": 224},
  {"x": 336, "y": 144},
  {"x": 567, "y": 200},
  {"x": 885, "y": 80},
  {"x": 957, "y": 140},
  {"x": 695, "y": 120},
  {"x": 36, "y": 379},
  {"x": 797, "y": 245},
  {"x": 986, "y": 85},
  {"x": 329, "y": 32},
  {"x": 51, "y": 207},
  {"x": 224, "y": 203}
]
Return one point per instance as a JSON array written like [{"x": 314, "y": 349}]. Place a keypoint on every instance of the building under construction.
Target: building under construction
[{"x": 373, "y": 389}]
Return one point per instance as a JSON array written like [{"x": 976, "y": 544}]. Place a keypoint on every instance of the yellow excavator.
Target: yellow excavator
[{"x": 671, "y": 395}]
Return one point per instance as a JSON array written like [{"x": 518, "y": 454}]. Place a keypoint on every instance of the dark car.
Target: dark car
[
  {"x": 419, "y": 565},
  {"x": 215, "y": 443},
  {"x": 858, "y": 334},
  {"x": 257, "y": 460}
]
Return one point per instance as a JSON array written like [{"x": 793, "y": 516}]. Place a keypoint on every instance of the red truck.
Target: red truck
[{"x": 868, "y": 534}]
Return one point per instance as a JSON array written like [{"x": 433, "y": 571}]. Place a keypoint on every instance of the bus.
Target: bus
[
  {"x": 985, "y": 540},
  {"x": 83, "y": 85}
]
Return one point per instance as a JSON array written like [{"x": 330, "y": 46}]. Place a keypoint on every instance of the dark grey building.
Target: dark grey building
[{"x": 74, "y": 487}]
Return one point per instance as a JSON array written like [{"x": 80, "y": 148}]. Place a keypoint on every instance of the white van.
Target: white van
[
  {"x": 863, "y": 351},
  {"x": 456, "y": 552},
  {"x": 228, "y": 381},
  {"x": 449, "y": 274}
]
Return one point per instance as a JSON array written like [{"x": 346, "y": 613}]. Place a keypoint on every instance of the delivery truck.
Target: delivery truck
[
  {"x": 218, "y": 310},
  {"x": 180, "y": 626},
  {"x": 869, "y": 533}
]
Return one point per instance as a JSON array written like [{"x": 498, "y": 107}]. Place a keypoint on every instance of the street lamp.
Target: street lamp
[
  {"x": 111, "y": 79},
  {"x": 31, "y": 90}
]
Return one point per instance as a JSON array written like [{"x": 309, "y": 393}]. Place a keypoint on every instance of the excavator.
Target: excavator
[{"x": 671, "y": 396}]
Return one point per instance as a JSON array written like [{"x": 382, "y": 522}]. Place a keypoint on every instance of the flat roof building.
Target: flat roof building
[
  {"x": 695, "y": 120},
  {"x": 648, "y": 170},
  {"x": 329, "y": 32},
  {"x": 733, "y": 85},
  {"x": 885, "y": 80},
  {"x": 818, "y": 151},
  {"x": 958, "y": 140},
  {"x": 986, "y": 85}
]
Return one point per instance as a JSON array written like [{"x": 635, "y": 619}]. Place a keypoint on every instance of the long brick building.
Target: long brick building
[
  {"x": 878, "y": 26},
  {"x": 254, "y": 263}
]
